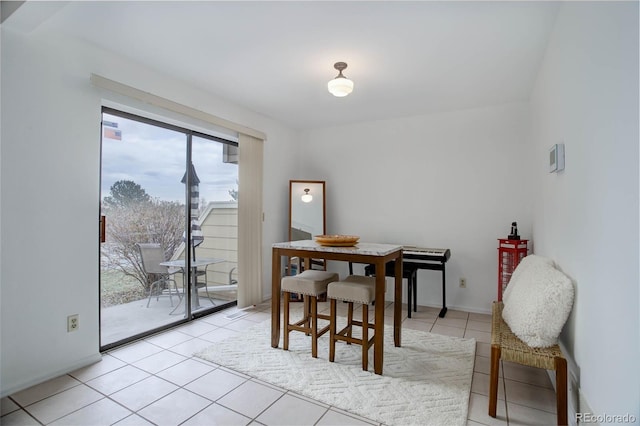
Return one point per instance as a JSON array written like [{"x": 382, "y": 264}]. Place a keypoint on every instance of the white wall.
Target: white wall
[
  {"x": 586, "y": 218},
  {"x": 50, "y": 168},
  {"x": 453, "y": 180},
  {"x": 477, "y": 171}
]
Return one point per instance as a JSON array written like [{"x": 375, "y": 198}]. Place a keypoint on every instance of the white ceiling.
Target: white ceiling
[{"x": 275, "y": 58}]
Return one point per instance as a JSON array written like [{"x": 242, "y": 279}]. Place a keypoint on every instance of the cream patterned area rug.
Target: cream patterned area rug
[{"x": 427, "y": 381}]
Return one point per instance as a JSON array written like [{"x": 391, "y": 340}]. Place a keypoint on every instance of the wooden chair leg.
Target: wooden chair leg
[
  {"x": 314, "y": 326},
  {"x": 493, "y": 380},
  {"x": 561, "y": 390},
  {"x": 365, "y": 337},
  {"x": 332, "y": 330},
  {"x": 286, "y": 295}
]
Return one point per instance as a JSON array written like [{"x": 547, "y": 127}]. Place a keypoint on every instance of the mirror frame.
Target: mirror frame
[{"x": 324, "y": 203}]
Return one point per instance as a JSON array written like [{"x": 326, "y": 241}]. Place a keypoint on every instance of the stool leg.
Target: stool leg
[
  {"x": 332, "y": 330},
  {"x": 350, "y": 320},
  {"x": 307, "y": 315},
  {"x": 285, "y": 307},
  {"x": 365, "y": 337},
  {"x": 561, "y": 390},
  {"x": 493, "y": 380},
  {"x": 314, "y": 326}
]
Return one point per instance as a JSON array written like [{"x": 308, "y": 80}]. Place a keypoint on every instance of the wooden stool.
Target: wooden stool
[
  {"x": 507, "y": 346},
  {"x": 310, "y": 284},
  {"x": 358, "y": 289}
]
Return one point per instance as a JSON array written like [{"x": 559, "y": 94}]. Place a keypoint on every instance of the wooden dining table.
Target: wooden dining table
[{"x": 368, "y": 253}]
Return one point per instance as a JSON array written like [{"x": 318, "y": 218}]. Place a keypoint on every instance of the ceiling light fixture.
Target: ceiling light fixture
[
  {"x": 306, "y": 198},
  {"x": 340, "y": 86}
]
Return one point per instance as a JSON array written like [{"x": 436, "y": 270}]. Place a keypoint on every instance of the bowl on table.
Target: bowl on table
[{"x": 337, "y": 240}]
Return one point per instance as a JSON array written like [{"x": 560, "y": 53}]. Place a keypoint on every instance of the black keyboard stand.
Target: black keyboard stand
[{"x": 410, "y": 272}]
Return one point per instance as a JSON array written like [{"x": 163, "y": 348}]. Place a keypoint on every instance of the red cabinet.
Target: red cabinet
[{"x": 510, "y": 253}]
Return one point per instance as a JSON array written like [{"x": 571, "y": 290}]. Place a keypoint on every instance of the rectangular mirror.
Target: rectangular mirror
[
  {"x": 306, "y": 209},
  {"x": 307, "y": 214}
]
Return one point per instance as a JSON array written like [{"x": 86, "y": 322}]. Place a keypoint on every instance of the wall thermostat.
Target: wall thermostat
[{"x": 556, "y": 158}]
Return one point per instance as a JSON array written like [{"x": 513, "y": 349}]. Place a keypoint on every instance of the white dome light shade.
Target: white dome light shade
[
  {"x": 306, "y": 197},
  {"x": 340, "y": 86}
]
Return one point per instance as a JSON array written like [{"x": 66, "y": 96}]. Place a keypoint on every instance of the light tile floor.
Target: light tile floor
[{"x": 157, "y": 381}]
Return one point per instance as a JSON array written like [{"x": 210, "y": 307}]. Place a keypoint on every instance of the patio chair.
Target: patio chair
[
  {"x": 204, "y": 284},
  {"x": 152, "y": 255},
  {"x": 232, "y": 286},
  {"x": 232, "y": 281}
]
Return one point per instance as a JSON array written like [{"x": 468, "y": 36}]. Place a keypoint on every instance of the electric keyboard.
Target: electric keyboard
[
  {"x": 424, "y": 258},
  {"x": 426, "y": 254},
  {"x": 413, "y": 259}
]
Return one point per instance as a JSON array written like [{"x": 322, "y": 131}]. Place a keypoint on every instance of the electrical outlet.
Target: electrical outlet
[
  {"x": 463, "y": 283},
  {"x": 73, "y": 323}
]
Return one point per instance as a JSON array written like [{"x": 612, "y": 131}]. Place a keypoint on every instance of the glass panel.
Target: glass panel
[
  {"x": 216, "y": 167},
  {"x": 143, "y": 201}
]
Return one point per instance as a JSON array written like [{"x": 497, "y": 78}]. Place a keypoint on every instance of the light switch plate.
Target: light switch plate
[{"x": 556, "y": 158}]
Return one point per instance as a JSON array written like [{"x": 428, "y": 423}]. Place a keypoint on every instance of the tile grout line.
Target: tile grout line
[{"x": 217, "y": 327}]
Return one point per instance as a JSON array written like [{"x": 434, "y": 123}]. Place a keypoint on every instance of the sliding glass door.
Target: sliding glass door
[{"x": 169, "y": 208}]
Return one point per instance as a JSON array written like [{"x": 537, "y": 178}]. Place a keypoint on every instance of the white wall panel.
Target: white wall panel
[
  {"x": 50, "y": 193},
  {"x": 453, "y": 180},
  {"x": 586, "y": 217}
]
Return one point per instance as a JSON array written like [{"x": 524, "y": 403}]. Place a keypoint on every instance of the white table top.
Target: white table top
[
  {"x": 204, "y": 261},
  {"x": 371, "y": 249}
]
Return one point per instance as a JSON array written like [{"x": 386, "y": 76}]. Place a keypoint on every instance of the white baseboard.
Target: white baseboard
[
  {"x": 585, "y": 407},
  {"x": 459, "y": 308},
  {"x": 574, "y": 403},
  {"x": 468, "y": 309},
  {"x": 52, "y": 375}
]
